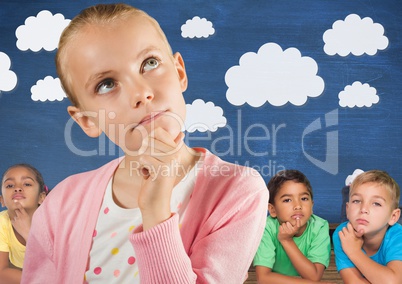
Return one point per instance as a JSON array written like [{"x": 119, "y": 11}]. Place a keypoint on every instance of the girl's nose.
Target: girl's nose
[
  {"x": 18, "y": 189},
  {"x": 141, "y": 93}
]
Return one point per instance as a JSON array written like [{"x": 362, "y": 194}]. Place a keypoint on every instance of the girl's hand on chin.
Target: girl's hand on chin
[{"x": 160, "y": 166}]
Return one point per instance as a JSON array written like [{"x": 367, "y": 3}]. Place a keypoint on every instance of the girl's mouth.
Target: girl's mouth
[
  {"x": 151, "y": 117},
  {"x": 18, "y": 196}
]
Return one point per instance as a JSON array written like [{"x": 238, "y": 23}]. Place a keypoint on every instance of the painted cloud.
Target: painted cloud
[
  {"x": 48, "y": 89},
  {"x": 355, "y": 35},
  {"x": 197, "y": 27},
  {"x": 204, "y": 116},
  {"x": 275, "y": 76},
  {"x": 358, "y": 95},
  {"x": 8, "y": 79},
  {"x": 42, "y": 31}
]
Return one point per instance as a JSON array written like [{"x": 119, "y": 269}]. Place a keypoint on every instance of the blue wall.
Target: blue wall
[{"x": 284, "y": 135}]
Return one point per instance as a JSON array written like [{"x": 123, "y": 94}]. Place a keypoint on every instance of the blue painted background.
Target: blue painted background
[{"x": 368, "y": 137}]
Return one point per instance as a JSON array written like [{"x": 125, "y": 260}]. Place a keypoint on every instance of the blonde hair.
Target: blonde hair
[
  {"x": 381, "y": 178},
  {"x": 102, "y": 14}
]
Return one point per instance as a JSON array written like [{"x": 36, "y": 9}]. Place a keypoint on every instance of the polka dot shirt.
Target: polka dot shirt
[{"x": 112, "y": 257}]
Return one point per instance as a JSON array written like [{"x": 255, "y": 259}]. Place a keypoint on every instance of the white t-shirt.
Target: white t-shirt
[{"x": 112, "y": 257}]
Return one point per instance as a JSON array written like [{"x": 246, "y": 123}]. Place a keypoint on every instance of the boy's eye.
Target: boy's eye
[
  {"x": 150, "y": 63},
  {"x": 287, "y": 200},
  {"x": 377, "y": 204},
  {"x": 356, "y": 201},
  {"x": 305, "y": 199},
  {"x": 105, "y": 86}
]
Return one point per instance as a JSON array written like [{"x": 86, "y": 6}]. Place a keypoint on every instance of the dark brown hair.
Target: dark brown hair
[
  {"x": 276, "y": 182},
  {"x": 38, "y": 175}
]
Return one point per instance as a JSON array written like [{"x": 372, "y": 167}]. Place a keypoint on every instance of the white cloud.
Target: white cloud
[
  {"x": 204, "y": 116},
  {"x": 354, "y": 35},
  {"x": 8, "y": 79},
  {"x": 351, "y": 177},
  {"x": 48, "y": 89},
  {"x": 358, "y": 95},
  {"x": 275, "y": 76},
  {"x": 42, "y": 31},
  {"x": 197, "y": 27}
]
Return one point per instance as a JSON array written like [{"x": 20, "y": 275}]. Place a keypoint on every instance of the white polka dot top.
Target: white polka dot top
[{"x": 112, "y": 258}]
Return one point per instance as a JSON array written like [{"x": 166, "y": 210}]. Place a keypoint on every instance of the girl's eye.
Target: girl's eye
[
  {"x": 9, "y": 186},
  {"x": 150, "y": 64},
  {"x": 27, "y": 184},
  {"x": 105, "y": 86}
]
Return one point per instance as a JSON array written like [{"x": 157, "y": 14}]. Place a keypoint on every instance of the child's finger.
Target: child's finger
[
  {"x": 20, "y": 209},
  {"x": 179, "y": 138},
  {"x": 17, "y": 213},
  {"x": 161, "y": 143},
  {"x": 350, "y": 228}
]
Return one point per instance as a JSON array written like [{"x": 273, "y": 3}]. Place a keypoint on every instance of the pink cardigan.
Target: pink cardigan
[{"x": 223, "y": 225}]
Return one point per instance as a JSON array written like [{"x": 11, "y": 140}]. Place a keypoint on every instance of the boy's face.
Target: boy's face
[
  {"x": 19, "y": 185},
  {"x": 293, "y": 201},
  {"x": 126, "y": 81},
  {"x": 369, "y": 208}
]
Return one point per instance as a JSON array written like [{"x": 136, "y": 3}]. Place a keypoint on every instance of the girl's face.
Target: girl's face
[
  {"x": 126, "y": 82},
  {"x": 293, "y": 201},
  {"x": 370, "y": 209},
  {"x": 19, "y": 185}
]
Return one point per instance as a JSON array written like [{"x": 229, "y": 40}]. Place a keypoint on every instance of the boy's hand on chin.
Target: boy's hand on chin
[
  {"x": 351, "y": 240},
  {"x": 287, "y": 231},
  {"x": 160, "y": 165}
]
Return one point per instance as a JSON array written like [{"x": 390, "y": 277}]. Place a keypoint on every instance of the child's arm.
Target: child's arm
[
  {"x": 162, "y": 154},
  {"x": 221, "y": 250},
  {"x": 22, "y": 221},
  {"x": 8, "y": 275},
  {"x": 306, "y": 269},
  {"x": 38, "y": 262},
  {"x": 374, "y": 272},
  {"x": 266, "y": 276}
]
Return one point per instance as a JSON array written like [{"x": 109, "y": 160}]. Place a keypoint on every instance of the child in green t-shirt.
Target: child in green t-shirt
[{"x": 295, "y": 242}]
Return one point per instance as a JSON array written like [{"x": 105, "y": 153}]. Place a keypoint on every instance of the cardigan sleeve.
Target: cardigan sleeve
[
  {"x": 160, "y": 254},
  {"x": 223, "y": 255},
  {"x": 38, "y": 265}
]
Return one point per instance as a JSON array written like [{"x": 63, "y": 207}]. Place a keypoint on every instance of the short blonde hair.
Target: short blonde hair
[
  {"x": 102, "y": 14},
  {"x": 382, "y": 179}
]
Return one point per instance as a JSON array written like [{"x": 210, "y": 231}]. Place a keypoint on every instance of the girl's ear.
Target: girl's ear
[
  {"x": 42, "y": 196},
  {"x": 85, "y": 120},
  {"x": 272, "y": 211},
  {"x": 181, "y": 70},
  {"x": 395, "y": 216}
]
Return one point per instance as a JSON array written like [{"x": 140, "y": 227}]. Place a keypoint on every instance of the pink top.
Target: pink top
[{"x": 224, "y": 223}]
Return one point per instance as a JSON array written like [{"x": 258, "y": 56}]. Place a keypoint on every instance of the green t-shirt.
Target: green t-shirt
[{"x": 315, "y": 244}]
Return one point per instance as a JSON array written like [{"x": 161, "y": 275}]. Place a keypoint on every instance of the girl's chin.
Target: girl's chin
[{"x": 172, "y": 124}]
